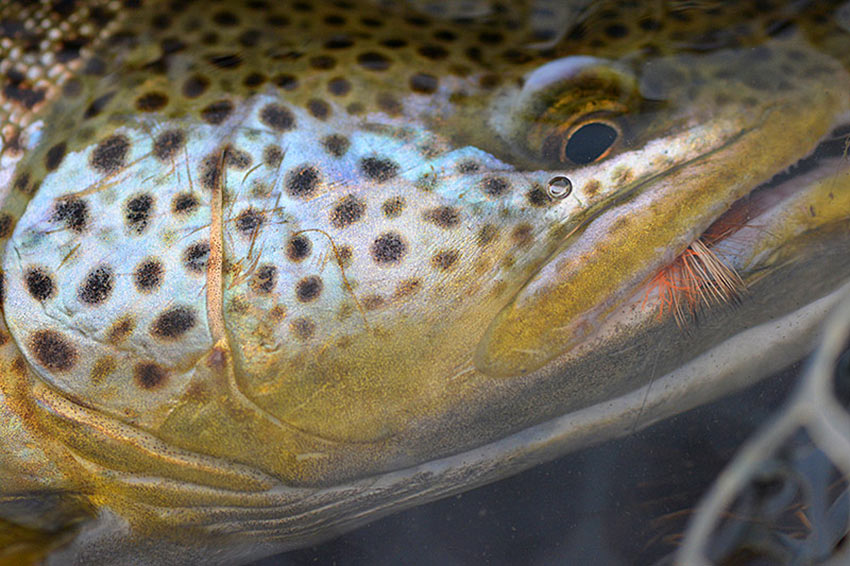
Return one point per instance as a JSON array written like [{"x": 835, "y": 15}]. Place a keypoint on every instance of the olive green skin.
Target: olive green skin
[{"x": 442, "y": 332}]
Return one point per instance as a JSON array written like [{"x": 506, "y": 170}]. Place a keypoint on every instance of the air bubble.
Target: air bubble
[{"x": 559, "y": 188}]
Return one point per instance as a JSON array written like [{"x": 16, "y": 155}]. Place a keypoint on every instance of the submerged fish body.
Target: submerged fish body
[{"x": 273, "y": 269}]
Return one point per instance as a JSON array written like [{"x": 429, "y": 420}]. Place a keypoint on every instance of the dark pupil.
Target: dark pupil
[{"x": 589, "y": 142}]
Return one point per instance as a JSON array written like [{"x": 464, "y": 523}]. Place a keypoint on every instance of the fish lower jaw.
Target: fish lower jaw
[{"x": 740, "y": 245}]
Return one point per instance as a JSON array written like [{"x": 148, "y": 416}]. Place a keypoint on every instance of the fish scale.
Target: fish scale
[{"x": 261, "y": 253}]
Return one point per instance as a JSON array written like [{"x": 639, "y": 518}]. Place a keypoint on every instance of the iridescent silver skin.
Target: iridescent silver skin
[{"x": 271, "y": 271}]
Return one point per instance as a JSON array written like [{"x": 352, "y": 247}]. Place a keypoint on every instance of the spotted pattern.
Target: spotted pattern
[
  {"x": 110, "y": 154},
  {"x": 173, "y": 323},
  {"x": 97, "y": 286},
  {"x": 137, "y": 213},
  {"x": 39, "y": 283},
  {"x": 53, "y": 351},
  {"x": 326, "y": 182},
  {"x": 148, "y": 275}
]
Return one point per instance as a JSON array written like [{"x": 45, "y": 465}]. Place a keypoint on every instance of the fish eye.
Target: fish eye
[
  {"x": 582, "y": 142},
  {"x": 590, "y": 142}
]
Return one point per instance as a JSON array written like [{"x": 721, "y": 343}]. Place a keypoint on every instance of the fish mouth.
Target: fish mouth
[
  {"x": 718, "y": 266},
  {"x": 827, "y": 158},
  {"x": 686, "y": 240}
]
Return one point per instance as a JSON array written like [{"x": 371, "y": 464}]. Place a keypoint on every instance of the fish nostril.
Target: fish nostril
[{"x": 559, "y": 188}]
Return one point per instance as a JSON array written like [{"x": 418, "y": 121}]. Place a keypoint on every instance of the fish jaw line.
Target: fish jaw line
[{"x": 621, "y": 247}]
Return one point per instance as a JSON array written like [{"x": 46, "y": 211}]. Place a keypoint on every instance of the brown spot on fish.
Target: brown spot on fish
[
  {"x": 148, "y": 275},
  {"x": 168, "y": 143},
  {"x": 309, "y": 289},
  {"x": 388, "y": 248},
  {"x": 298, "y": 248},
  {"x": 445, "y": 259},
  {"x": 335, "y": 144},
  {"x": 264, "y": 280},
  {"x": 592, "y": 188},
  {"x": 150, "y": 375},
  {"x": 495, "y": 186},
  {"x": 39, "y": 283},
  {"x": 273, "y": 156},
  {"x": 277, "y": 117},
  {"x": 486, "y": 234},
  {"x": 7, "y": 221},
  {"x": 522, "y": 235},
  {"x": 303, "y": 328},
  {"x": 110, "y": 154},
  {"x": 372, "y": 302},
  {"x": 443, "y": 216},
  {"x": 407, "y": 288},
  {"x": 393, "y": 207},
  {"x": 120, "y": 329},
  {"x": 53, "y": 351},
  {"x": 102, "y": 368},
  {"x": 173, "y": 323}
]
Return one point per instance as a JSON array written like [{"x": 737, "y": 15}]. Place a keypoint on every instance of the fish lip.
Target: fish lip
[{"x": 776, "y": 191}]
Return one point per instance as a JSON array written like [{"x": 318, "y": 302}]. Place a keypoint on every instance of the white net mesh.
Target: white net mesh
[{"x": 784, "y": 498}]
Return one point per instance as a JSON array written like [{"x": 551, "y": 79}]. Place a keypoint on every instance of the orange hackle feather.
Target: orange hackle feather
[{"x": 697, "y": 278}]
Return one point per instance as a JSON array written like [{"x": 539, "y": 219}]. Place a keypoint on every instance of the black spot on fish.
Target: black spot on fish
[
  {"x": 249, "y": 221},
  {"x": 54, "y": 156},
  {"x": 302, "y": 181},
  {"x": 73, "y": 212},
  {"x": 52, "y": 350},
  {"x": 216, "y": 112},
  {"x": 168, "y": 143},
  {"x": 150, "y": 375},
  {"x": 277, "y": 117},
  {"x": 97, "y": 286},
  {"x": 148, "y": 275},
  {"x": 265, "y": 279},
  {"x": 137, "y": 212},
  {"x": 39, "y": 283},
  {"x": 110, "y": 154},
  {"x": 388, "y": 248},
  {"x": 184, "y": 203},
  {"x": 379, "y": 169},
  {"x": 347, "y": 211},
  {"x": 309, "y": 289},
  {"x": 173, "y": 323},
  {"x": 196, "y": 256},
  {"x": 298, "y": 248}
]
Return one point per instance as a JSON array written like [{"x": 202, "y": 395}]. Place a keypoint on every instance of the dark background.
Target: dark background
[{"x": 625, "y": 502}]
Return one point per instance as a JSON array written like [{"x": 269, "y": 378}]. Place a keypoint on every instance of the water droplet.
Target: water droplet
[{"x": 559, "y": 187}]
